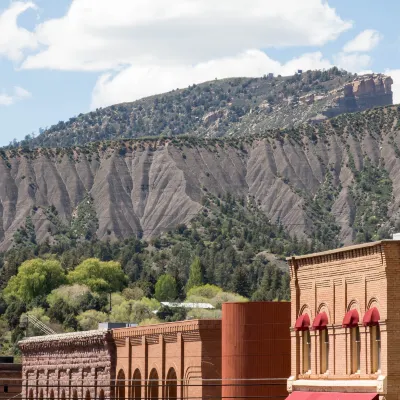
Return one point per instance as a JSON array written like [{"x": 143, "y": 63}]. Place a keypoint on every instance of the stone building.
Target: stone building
[
  {"x": 169, "y": 361},
  {"x": 79, "y": 365},
  {"x": 345, "y": 322},
  {"x": 10, "y": 378}
]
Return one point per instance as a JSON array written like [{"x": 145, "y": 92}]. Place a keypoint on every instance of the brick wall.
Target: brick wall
[
  {"x": 359, "y": 277},
  {"x": 72, "y": 366},
  {"x": 188, "y": 351},
  {"x": 10, "y": 380}
]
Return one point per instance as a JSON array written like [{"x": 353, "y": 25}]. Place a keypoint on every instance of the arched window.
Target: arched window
[
  {"x": 87, "y": 396},
  {"x": 63, "y": 395},
  {"x": 121, "y": 385},
  {"x": 41, "y": 394},
  {"x": 306, "y": 351},
  {"x": 137, "y": 385},
  {"x": 51, "y": 394},
  {"x": 30, "y": 394},
  {"x": 75, "y": 395},
  {"x": 101, "y": 394},
  {"x": 375, "y": 348},
  {"x": 355, "y": 349},
  {"x": 172, "y": 385},
  {"x": 153, "y": 385},
  {"x": 324, "y": 350}
]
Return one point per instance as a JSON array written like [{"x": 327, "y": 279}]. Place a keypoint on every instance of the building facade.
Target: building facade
[
  {"x": 345, "y": 321},
  {"x": 179, "y": 360},
  {"x": 255, "y": 350},
  {"x": 10, "y": 378},
  {"x": 76, "y": 366}
]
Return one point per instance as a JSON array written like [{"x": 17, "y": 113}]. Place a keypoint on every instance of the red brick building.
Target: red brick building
[
  {"x": 10, "y": 378},
  {"x": 255, "y": 350},
  {"x": 345, "y": 322},
  {"x": 168, "y": 361},
  {"x": 79, "y": 365}
]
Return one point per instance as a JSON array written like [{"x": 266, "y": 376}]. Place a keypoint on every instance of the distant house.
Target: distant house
[{"x": 206, "y": 306}]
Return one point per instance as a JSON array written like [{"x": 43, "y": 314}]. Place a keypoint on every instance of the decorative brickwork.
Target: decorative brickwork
[
  {"x": 335, "y": 282},
  {"x": 74, "y": 366},
  {"x": 10, "y": 380},
  {"x": 169, "y": 361}
]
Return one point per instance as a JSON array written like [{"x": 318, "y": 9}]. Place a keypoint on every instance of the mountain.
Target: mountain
[
  {"x": 228, "y": 107},
  {"x": 335, "y": 182}
]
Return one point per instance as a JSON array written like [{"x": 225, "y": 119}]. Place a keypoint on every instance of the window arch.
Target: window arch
[
  {"x": 51, "y": 394},
  {"x": 121, "y": 385},
  {"x": 87, "y": 396},
  {"x": 41, "y": 394},
  {"x": 75, "y": 395},
  {"x": 172, "y": 385},
  {"x": 63, "y": 395},
  {"x": 30, "y": 394},
  {"x": 101, "y": 394},
  {"x": 137, "y": 385},
  {"x": 153, "y": 385}
]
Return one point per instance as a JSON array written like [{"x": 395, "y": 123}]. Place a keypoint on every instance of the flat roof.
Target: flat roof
[{"x": 343, "y": 249}]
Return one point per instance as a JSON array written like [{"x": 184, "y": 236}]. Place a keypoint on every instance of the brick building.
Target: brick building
[
  {"x": 10, "y": 378},
  {"x": 255, "y": 350},
  {"x": 169, "y": 361},
  {"x": 345, "y": 322},
  {"x": 79, "y": 365}
]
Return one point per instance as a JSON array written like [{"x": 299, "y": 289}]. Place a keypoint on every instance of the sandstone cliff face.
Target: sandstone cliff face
[{"x": 151, "y": 188}]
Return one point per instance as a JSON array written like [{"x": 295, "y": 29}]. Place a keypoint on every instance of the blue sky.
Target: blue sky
[{"x": 59, "y": 58}]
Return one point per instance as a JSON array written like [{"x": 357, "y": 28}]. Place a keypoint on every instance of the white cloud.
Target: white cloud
[
  {"x": 14, "y": 39},
  {"x": 395, "y": 74},
  {"x": 18, "y": 94},
  {"x": 353, "y": 62},
  {"x": 100, "y": 35},
  {"x": 365, "y": 41},
  {"x": 136, "y": 82}
]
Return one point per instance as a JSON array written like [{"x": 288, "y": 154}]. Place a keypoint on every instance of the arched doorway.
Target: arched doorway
[
  {"x": 171, "y": 385},
  {"x": 137, "y": 385},
  {"x": 121, "y": 385},
  {"x": 153, "y": 385}
]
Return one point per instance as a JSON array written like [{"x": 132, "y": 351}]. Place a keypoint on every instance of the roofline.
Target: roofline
[{"x": 343, "y": 249}]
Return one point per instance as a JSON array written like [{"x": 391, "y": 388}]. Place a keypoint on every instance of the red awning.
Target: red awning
[
  {"x": 371, "y": 317},
  {"x": 351, "y": 319},
  {"x": 332, "y": 396},
  {"x": 302, "y": 323},
  {"x": 320, "y": 322}
]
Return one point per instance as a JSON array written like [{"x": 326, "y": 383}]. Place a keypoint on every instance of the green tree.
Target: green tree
[
  {"x": 195, "y": 275},
  {"x": 35, "y": 278},
  {"x": 99, "y": 276},
  {"x": 165, "y": 289},
  {"x": 240, "y": 282}
]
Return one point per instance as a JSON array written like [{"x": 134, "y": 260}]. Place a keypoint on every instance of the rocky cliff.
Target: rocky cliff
[
  {"x": 228, "y": 107},
  {"x": 338, "y": 180}
]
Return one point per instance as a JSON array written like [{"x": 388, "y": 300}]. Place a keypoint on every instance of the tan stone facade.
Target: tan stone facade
[
  {"x": 75, "y": 366},
  {"x": 167, "y": 361},
  {"x": 350, "y": 285}
]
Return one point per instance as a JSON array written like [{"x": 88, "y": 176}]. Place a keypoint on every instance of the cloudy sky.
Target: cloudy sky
[{"x": 59, "y": 58}]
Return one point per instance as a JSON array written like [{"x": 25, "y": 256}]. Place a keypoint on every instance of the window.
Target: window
[
  {"x": 5, "y": 389},
  {"x": 324, "y": 350},
  {"x": 172, "y": 385},
  {"x": 375, "y": 334},
  {"x": 355, "y": 349},
  {"x": 306, "y": 351}
]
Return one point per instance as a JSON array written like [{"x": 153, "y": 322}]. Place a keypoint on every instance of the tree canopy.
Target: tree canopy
[
  {"x": 99, "y": 276},
  {"x": 35, "y": 278},
  {"x": 165, "y": 289}
]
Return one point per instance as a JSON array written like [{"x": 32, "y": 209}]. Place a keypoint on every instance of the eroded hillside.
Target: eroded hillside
[{"x": 336, "y": 182}]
